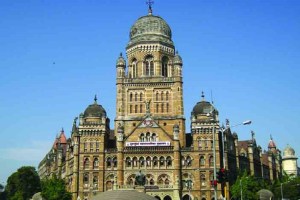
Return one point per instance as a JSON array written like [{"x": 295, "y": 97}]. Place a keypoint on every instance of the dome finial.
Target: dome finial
[
  {"x": 150, "y": 3},
  {"x": 121, "y": 54},
  {"x": 202, "y": 95},
  {"x": 95, "y": 99},
  {"x": 271, "y": 138}
]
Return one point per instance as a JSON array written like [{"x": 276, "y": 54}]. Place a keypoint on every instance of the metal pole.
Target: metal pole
[
  {"x": 281, "y": 191},
  {"x": 223, "y": 150},
  {"x": 241, "y": 189},
  {"x": 214, "y": 157},
  {"x": 223, "y": 143}
]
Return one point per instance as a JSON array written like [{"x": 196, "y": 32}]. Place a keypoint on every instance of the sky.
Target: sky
[{"x": 56, "y": 55}]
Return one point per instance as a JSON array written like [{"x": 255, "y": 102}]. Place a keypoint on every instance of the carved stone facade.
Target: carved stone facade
[{"x": 150, "y": 135}]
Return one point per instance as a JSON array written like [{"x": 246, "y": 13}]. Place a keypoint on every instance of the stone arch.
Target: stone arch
[
  {"x": 149, "y": 179},
  {"x": 155, "y": 161},
  {"x": 128, "y": 162},
  {"x": 157, "y": 197},
  {"x": 115, "y": 162},
  {"x": 169, "y": 161},
  {"x": 86, "y": 163},
  {"x": 188, "y": 161},
  {"x": 164, "y": 179},
  {"x": 96, "y": 163},
  {"x": 167, "y": 197},
  {"x": 186, "y": 197},
  {"x": 130, "y": 179},
  {"x": 109, "y": 182},
  {"x": 108, "y": 162},
  {"x": 202, "y": 161},
  {"x": 142, "y": 162},
  {"x": 162, "y": 161}
]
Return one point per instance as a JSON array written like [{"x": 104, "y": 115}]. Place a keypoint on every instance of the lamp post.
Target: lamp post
[
  {"x": 211, "y": 113},
  {"x": 241, "y": 186},
  {"x": 223, "y": 129},
  {"x": 281, "y": 190}
]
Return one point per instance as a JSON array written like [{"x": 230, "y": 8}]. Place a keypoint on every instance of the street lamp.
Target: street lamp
[
  {"x": 241, "y": 189},
  {"x": 223, "y": 129},
  {"x": 211, "y": 113},
  {"x": 281, "y": 191}
]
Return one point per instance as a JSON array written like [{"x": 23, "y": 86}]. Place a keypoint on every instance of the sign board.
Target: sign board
[{"x": 148, "y": 144}]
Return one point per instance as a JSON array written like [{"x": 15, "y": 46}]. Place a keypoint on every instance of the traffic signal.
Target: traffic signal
[{"x": 221, "y": 175}]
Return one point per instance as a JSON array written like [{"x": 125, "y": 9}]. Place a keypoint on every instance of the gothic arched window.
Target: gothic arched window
[
  {"x": 141, "y": 97},
  {"x": 164, "y": 70},
  {"x": 202, "y": 161},
  {"x": 211, "y": 161},
  {"x": 155, "y": 162},
  {"x": 188, "y": 161},
  {"x": 130, "y": 97},
  {"x": 115, "y": 161},
  {"x": 95, "y": 163},
  {"x": 169, "y": 161},
  {"x": 128, "y": 162},
  {"x": 142, "y": 137},
  {"x": 141, "y": 108},
  {"x": 149, "y": 66},
  {"x": 135, "y": 96},
  {"x": 134, "y": 68},
  {"x": 108, "y": 162},
  {"x": 86, "y": 163}
]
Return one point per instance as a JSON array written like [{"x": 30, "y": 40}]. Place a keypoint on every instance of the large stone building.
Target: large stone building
[{"x": 150, "y": 138}]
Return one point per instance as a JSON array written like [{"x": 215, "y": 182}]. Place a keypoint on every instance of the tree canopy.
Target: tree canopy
[
  {"x": 55, "y": 188},
  {"x": 22, "y": 184},
  {"x": 248, "y": 186},
  {"x": 290, "y": 186}
]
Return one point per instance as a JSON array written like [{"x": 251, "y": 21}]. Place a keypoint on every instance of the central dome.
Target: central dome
[{"x": 150, "y": 28}]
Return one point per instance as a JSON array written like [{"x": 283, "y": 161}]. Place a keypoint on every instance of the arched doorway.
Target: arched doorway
[
  {"x": 157, "y": 197},
  {"x": 167, "y": 198}
]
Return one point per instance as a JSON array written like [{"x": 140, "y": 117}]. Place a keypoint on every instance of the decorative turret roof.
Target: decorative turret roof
[
  {"x": 177, "y": 59},
  {"x": 94, "y": 110},
  {"x": 149, "y": 29},
  {"x": 121, "y": 61},
  {"x": 203, "y": 107},
  {"x": 271, "y": 144},
  {"x": 60, "y": 139},
  {"x": 288, "y": 151}
]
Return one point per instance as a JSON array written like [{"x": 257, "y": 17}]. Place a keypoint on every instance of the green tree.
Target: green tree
[
  {"x": 290, "y": 187},
  {"x": 24, "y": 183},
  {"x": 248, "y": 185},
  {"x": 2, "y": 192},
  {"x": 55, "y": 188}
]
